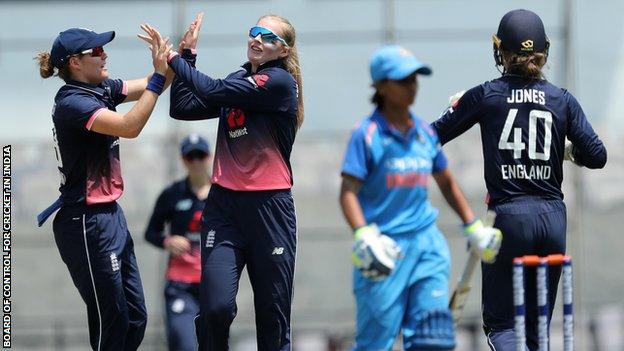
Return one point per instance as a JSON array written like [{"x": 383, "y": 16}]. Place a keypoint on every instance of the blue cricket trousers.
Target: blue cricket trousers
[
  {"x": 530, "y": 226},
  {"x": 257, "y": 229},
  {"x": 182, "y": 306},
  {"x": 95, "y": 244}
]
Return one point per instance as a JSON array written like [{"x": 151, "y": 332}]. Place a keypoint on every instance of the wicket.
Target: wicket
[{"x": 542, "y": 264}]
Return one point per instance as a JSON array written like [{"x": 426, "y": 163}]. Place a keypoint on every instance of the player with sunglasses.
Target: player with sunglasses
[
  {"x": 90, "y": 229},
  {"x": 249, "y": 218},
  {"x": 179, "y": 207}
]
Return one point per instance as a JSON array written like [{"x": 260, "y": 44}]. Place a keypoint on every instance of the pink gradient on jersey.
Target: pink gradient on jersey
[
  {"x": 369, "y": 132},
  {"x": 254, "y": 164},
  {"x": 186, "y": 267},
  {"x": 124, "y": 88},
  {"x": 427, "y": 128},
  {"x": 103, "y": 188},
  {"x": 93, "y": 117}
]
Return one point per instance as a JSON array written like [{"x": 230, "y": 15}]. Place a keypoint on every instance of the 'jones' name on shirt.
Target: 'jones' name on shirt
[
  {"x": 519, "y": 96},
  {"x": 524, "y": 172}
]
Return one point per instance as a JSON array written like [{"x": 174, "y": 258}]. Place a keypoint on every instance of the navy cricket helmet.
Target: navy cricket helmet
[{"x": 521, "y": 32}]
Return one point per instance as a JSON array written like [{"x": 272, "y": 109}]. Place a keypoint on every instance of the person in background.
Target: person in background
[
  {"x": 402, "y": 262},
  {"x": 179, "y": 208}
]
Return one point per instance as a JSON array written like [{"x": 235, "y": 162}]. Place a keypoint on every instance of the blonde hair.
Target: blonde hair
[
  {"x": 291, "y": 61},
  {"x": 46, "y": 69},
  {"x": 528, "y": 66}
]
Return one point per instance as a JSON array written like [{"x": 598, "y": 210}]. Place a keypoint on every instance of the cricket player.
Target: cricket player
[
  {"x": 90, "y": 229},
  {"x": 179, "y": 207},
  {"x": 249, "y": 218},
  {"x": 524, "y": 121},
  {"x": 402, "y": 262}
]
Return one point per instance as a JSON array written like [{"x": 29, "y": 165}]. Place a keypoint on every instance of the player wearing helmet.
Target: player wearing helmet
[{"x": 524, "y": 121}]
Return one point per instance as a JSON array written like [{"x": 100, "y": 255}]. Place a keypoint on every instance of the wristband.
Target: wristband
[{"x": 156, "y": 83}]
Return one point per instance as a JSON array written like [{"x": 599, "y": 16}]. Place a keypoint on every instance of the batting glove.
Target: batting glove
[
  {"x": 484, "y": 240},
  {"x": 455, "y": 98},
  {"x": 568, "y": 154},
  {"x": 374, "y": 254}
]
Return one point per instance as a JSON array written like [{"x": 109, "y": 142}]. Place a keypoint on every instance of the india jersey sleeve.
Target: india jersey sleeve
[
  {"x": 357, "y": 156},
  {"x": 78, "y": 111}
]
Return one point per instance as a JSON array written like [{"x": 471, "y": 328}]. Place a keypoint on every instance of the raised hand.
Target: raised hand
[
  {"x": 159, "y": 47},
  {"x": 191, "y": 36}
]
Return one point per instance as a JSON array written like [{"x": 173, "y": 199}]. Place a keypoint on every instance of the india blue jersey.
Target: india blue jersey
[
  {"x": 394, "y": 169},
  {"x": 524, "y": 124}
]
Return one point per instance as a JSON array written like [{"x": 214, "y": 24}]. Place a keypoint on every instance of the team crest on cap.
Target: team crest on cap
[{"x": 527, "y": 45}]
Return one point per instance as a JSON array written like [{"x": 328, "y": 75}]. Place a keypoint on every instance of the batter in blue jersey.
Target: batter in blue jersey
[
  {"x": 524, "y": 122},
  {"x": 401, "y": 258}
]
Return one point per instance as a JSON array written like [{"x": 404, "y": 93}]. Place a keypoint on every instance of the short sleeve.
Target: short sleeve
[
  {"x": 79, "y": 111},
  {"x": 357, "y": 156},
  {"x": 118, "y": 90},
  {"x": 440, "y": 162}
]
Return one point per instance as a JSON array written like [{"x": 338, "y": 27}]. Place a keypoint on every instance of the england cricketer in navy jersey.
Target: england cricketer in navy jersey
[
  {"x": 249, "y": 218},
  {"x": 402, "y": 262},
  {"x": 524, "y": 123},
  {"x": 90, "y": 229},
  {"x": 175, "y": 225}
]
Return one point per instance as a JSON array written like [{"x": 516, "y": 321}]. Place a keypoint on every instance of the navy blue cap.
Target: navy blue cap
[
  {"x": 75, "y": 40},
  {"x": 394, "y": 62},
  {"x": 194, "y": 142},
  {"x": 522, "y": 32}
]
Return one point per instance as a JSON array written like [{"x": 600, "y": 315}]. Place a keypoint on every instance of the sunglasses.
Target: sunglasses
[
  {"x": 97, "y": 51},
  {"x": 195, "y": 155},
  {"x": 266, "y": 34}
]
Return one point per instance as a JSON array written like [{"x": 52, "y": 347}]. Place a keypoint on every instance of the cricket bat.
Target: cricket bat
[{"x": 462, "y": 290}]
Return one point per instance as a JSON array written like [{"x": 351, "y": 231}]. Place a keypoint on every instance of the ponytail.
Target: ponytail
[
  {"x": 292, "y": 62},
  {"x": 528, "y": 66},
  {"x": 47, "y": 70}
]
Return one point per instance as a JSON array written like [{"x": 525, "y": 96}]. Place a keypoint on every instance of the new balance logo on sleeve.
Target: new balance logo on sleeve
[
  {"x": 114, "y": 262},
  {"x": 277, "y": 251}
]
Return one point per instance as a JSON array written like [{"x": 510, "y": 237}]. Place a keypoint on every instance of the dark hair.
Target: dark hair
[
  {"x": 525, "y": 65},
  {"x": 292, "y": 62},
  {"x": 377, "y": 99},
  {"x": 47, "y": 70}
]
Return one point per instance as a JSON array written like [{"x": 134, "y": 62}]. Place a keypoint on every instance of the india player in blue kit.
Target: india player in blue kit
[
  {"x": 249, "y": 218},
  {"x": 524, "y": 122},
  {"x": 402, "y": 260},
  {"x": 179, "y": 207},
  {"x": 90, "y": 229}
]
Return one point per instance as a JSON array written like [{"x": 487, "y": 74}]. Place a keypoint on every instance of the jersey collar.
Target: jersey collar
[
  {"x": 385, "y": 127},
  {"x": 92, "y": 88},
  {"x": 274, "y": 63}
]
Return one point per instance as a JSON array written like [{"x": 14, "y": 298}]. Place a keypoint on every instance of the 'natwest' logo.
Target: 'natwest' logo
[{"x": 235, "y": 118}]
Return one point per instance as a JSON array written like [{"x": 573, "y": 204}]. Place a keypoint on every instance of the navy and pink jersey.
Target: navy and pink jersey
[
  {"x": 88, "y": 161},
  {"x": 180, "y": 209},
  {"x": 524, "y": 124},
  {"x": 394, "y": 168},
  {"x": 257, "y": 120}
]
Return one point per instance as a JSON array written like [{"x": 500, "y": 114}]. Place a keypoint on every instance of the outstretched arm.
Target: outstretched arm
[{"x": 129, "y": 125}]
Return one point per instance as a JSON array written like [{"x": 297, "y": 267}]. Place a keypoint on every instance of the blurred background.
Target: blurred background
[{"x": 336, "y": 39}]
